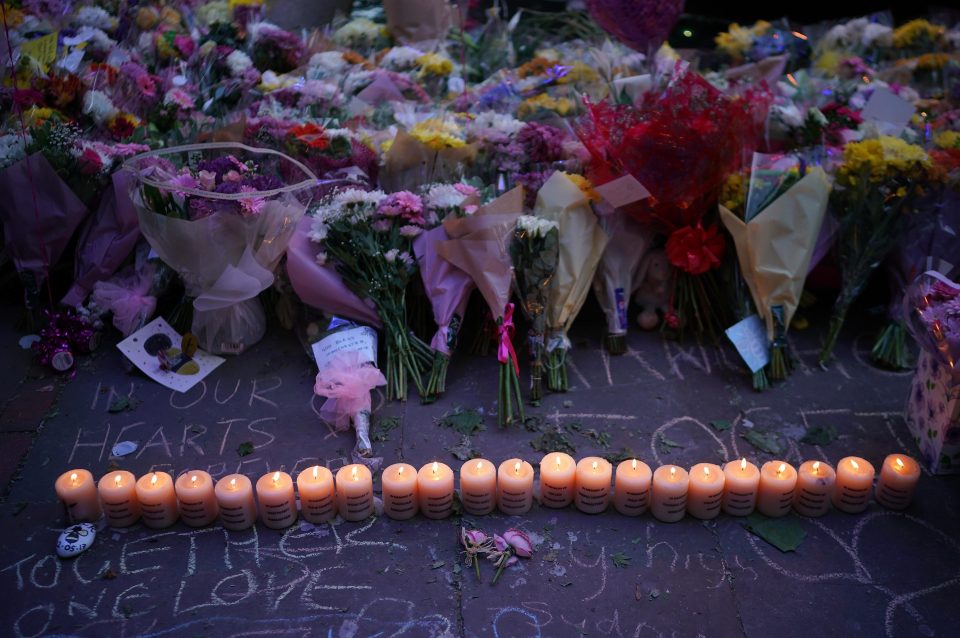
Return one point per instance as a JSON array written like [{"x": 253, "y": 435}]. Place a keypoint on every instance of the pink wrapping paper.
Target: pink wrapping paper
[
  {"x": 127, "y": 297},
  {"x": 60, "y": 213},
  {"x": 106, "y": 240},
  {"x": 346, "y": 382},
  {"x": 321, "y": 286},
  {"x": 448, "y": 287}
]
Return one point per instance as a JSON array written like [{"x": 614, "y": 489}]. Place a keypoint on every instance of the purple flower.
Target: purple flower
[
  {"x": 199, "y": 208},
  {"x": 519, "y": 541},
  {"x": 263, "y": 182},
  {"x": 500, "y": 543},
  {"x": 543, "y": 143},
  {"x": 472, "y": 537},
  {"x": 228, "y": 188},
  {"x": 182, "y": 181}
]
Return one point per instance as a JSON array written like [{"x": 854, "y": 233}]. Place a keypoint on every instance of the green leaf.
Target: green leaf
[
  {"x": 820, "y": 435},
  {"x": 122, "y": 404},
  {"x": 566, "y": 584},
  {"x": 620, "y": 559},
  {"x": 720, "y": 425},
  {"x": 464, "y": 450},
  {"x": 624, "y": 454},
  {"x": 437, "y": 564},
  {"x": 381, "y": 429},
  {"x": 245, "y": 448},
  {"x": 766, "y": 441},
  {"x": 664, "y": 444},
  {"x": 466, "y": 422},
  {"x": 785, "y": 534},
  {"x": 553, "y": 442}
]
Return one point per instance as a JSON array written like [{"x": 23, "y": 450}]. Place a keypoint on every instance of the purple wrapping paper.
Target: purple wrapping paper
[
  {"x": 106, "y": 240},
  {"x": 60, "y": 213},
  {"x": 321, "y": 286},
  {"x": 447, "y": 286}
]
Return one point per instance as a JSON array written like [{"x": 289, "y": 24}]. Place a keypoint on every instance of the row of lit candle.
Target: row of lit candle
[{"x": 669, "y": 493}]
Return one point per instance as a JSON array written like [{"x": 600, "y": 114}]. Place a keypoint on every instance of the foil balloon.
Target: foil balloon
[{"x": 643, "y": 25}]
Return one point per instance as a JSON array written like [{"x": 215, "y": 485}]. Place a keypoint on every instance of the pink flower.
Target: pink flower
[
  {"x": 251, "y": 206},
  {"x": 90, "y": 162},
  {"x": 404, "y": 204},
  {"x": 410, "y": 231},
  {"x": 472, "y": 537},
  {"x": 232, "y": 176},
  {"x": 185, "y": 44},
  {"x": 183, "y": 181},
  {"x": 126, "y": 150},
  {"x": 382, "y": 225},
  {"x": 470, "y": 209},
  {"x": 207, "y": 179},
  {"x": 466, "y": 189},
  {"x": 519, "y": 541},
  {"x": 500, "y": 543}
]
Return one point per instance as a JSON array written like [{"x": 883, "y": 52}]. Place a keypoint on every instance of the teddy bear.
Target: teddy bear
[{"x": 652, "y": 290}]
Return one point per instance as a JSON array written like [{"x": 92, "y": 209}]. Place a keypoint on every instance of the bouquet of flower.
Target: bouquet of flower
[
  {"x": 582, "y": 242},
  {"x": 478, "y": 246},
  {"x": 368, "y": 236},
  {"x": 535, "y": 251},
  {"x": 447, "y": 287},
  {"x": 221, "y": 216},
  {"x": 877, "y": 185},
  {"x": 273, "y": 48},
  {"x": 434, "y": 150}
]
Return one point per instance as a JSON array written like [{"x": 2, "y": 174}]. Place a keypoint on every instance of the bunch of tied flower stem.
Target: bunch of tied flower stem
[
  {"x": 502, "y": 551},
  {"x": 368, "y": 236},
  {"x": 534, "y": 251},
  {"x": 877, "y": 185}
]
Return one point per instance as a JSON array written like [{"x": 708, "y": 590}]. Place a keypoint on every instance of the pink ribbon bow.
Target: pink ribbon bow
[
  {"x": 505, "y": 330},
  {"x": 346, "y": 382}
]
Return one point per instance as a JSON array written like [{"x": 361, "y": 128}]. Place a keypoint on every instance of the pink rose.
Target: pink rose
[
  {"x": 519, "y": 541},
  {"x": 232, "y": 176}
]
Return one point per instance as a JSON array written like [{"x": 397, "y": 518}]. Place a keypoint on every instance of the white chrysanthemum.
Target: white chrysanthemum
[
  {"x": 145, "y": 45},
  {"x": 179, "y": 97},
  {"x": 328, "y": 62},
  {"x": 318, "y": 231},
  {"x": 357, "y": 196},
  {"x": 789, "y": 114},
  {"x": 257, "y": 30},
  {"x": 443, "y": 196},
  {"x": 391, "y": 255},
  {"x": 321, "y": 258},
  {"x": 356, "y": 81},
  {"x": 357, "y": 31},
  {"x": 12, "y": 149},
  {"x": 877, "y": 35},
  {"x": 856, "y": 27},
  {"x": 536, "y": 226},
  {"x": 98, "y": 106},
  {"x": 816, "y": 115},
  {"x": 401, "y": 58},
  {"x": 836, "y": 37},
  {"x": 497, "y": 121},
  {"x": 215, "y": 12},
  {"x": 94, "y": 17},
  {"x": 96, "y": 39},
  {"x": 319, "y": 90},
  {"x": 238, "y": 62},
  {"x": 341, "y": 133}
]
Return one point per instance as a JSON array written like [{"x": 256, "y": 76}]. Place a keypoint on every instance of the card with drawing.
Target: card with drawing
[{"x": 157, "y": 349}]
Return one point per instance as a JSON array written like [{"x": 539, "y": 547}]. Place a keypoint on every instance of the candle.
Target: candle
[
  {"x": 118, "y": 494},
  {"x": 435, "y": 490},
  {"x": 741, "y": 481},
  {"x": 354, "y": 492},
  {"x": 515, "y": 487},
  {"x": 898, "y": 479},
  {"x": 478, "y": 486},
  {"x": 198, "y": 503},
  {"x": 318, "y": 502},
  {"x": 399, "y": 482},
  {"x": 158, "y": 501},
  {"x": 778, "y": 481},
  {"x": 234, "y": 495},
  {"x": 78, "y": 492},
  {"x": 557, "y": 479},
  {"x": 706, "y": 491},
  {"x": 668, "y": 498},
  {"x": 814, "y": 488},
  {"x": 854, "y": 480},
  {"x": 593, "y": 485},
  {"x": 278, "y": 505},
  {"x": 631, "y": 487}
]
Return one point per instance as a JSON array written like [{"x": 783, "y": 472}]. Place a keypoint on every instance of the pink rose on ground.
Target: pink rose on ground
[{"x": 519, "y": 541}]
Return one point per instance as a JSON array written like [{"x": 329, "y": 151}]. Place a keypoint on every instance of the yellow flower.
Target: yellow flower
[
  {"x": 915, "y": 33},
  {"x": 933, "y": 61},
  {"x": 735, "y": 41},
  {"x": 35, "y": 116},
  {"x": 561, "y": 106},
  {"x": 948, "y": 139},
  {"x": 882, "y": 159},
  {"x": 585, "y": 186},
  {"x": 733, "y": 194},
  {"x": 438, "y": 134},
  {"x": 386, "y": 146},
  {"x": 579, "y": 72},
  {"x": 828, "y": 61},
  {"x": 435, "y": 64}
]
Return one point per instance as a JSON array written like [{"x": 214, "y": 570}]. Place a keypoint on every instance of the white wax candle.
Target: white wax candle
[
  {"x": 278, "y": 505},
  {"x": 778, "y": 482},
  {"x": 515, "y": 487},
  {"x": 898, "y": 480},
  {"x": 592, "y": 485},
  {"x": 118, "y": 495},
  {"x": 435, "y": 490},
  {"x": 399, "y": 483},
  {"x": 77, "y": 490},
  {"x": 668, "y": 498},
  {"x": 705, "y": 491},
  {"x": 354, "y": 492},
  {"x": 318, "y": 502},
  {"x": 854, "y": 480},
  {"x": 815, "y": 481},
  {"x": 478, "y": 486},
  {"x": 557, "y": 479},
  {"x": 197, "y": 500},
  {"x": 238, "y": 510},
  {"x": 631, "y": 489},
  {"x": 741, "y": 481},
  {"x": 158, "y": 501}
]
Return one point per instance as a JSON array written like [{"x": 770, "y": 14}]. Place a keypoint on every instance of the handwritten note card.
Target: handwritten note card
[{"x": 750, "y": 338}]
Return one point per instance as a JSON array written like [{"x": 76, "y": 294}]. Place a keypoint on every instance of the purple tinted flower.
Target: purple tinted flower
[
  {"x": 403, "y": 204},
  {"x": 185, "y": 180},
  {"x": 543, "y": 143},
  {"x": 520, "y": 542},
  {"x": 228, "y": 188},
  {"x": 500, "y": 543},
  {"x": 262, "y": 182},
  {"x": 199, "y": 208}
]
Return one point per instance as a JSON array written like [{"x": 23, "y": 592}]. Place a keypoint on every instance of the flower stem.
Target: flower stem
[
  {"x": 779, "y": 362},
  {"x": 476, "y": 566},
  {"x": 616, "y": 344},
  {"x": 500, "y": 567},
  {"x": 890, "y": 350},
  {"x": 836, "y": 323},
  {"x": 760, "y": 382}
]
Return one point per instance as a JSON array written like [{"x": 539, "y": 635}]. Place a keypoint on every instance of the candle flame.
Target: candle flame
[
  {"x": 516, "y": 467},
  {"x": 594, "y": 466},
  {"x": 276, "y": 477},
  {"x": 73, "y": 478},
  {"x": 899, "y": 463},
  {"x": 743, "y": 464},
  {"x": 316, "y": 471},
  {"x": 854, "y": 464},
  {"x": 399, "y": 470},
  {"x": 799, "y": 35},
  {"x": 233, "y": 484},
  {"x": 558, "y": 462},
  {"x": 153, "y": 481},
  {"x": 781, "y": 469},
  {"x": 673, "y": 471},
  {"x": 706, "y": 470},
  {"x": 633, "y": 464},
  {"x": 436, "y": 466},
  {"x": 479, "y": 465},
  {"x": 194, "y": 479},
  {"x": 117, "y": 479},
  {"x": 816, "y": 467},
  {"x": 353, "y": 473}
]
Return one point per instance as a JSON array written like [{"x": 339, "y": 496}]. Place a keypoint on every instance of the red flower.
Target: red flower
[
  {"x": 121, "y": 127},
  {"x": 695, "y": 249},
  {"x": 90, "y": 162},
  {"x": 312, "y": 135}
]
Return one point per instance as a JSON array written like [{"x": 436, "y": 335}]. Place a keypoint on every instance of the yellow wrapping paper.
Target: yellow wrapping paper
[
  {"x": 774, "y": 248},
  {"x": 582, "y": 241},
  {"x": 410, "y": 162}
]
